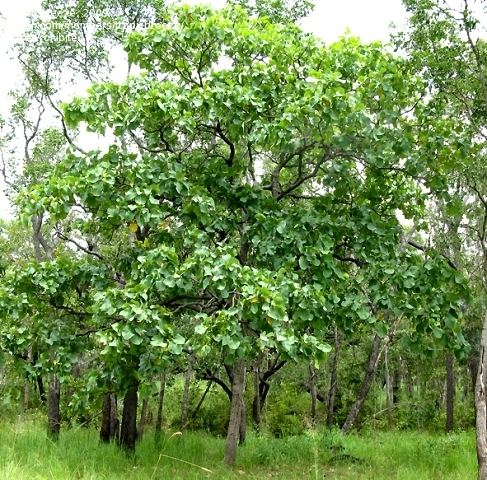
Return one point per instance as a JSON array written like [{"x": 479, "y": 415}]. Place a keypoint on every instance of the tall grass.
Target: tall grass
[{"x": 27, "y": 454}]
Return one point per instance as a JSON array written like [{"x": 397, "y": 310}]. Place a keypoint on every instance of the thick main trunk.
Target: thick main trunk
[
  {"x": 53, "y": 408},
  {"x": 450, "y": 392},
  {"x": 160, "y": 407},
  {"x": 366, "y": 383},
  {"x": 109, "y": 429},
  {"x": 128, "y": 429},
  {"x": 235, "y": 422},
  {"x": 480, "y": 405}
]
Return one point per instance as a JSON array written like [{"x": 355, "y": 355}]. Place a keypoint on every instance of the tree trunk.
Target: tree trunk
[
  {"x": 389, "y": 394},
  {"x": 481, "y": 406},
  {"x": 109, "y": 430},
  {"x": 53, "y": 408},
  {"x": 26, "y": 392},
  {"x": 128, "y": 430},
  {"x": 256, "y": 403},
  {"x": 186, "y": 391},
  {"x": 26, "y": 396},
  {"x": 234, "y": 425},
  {"x": 364, "y": 389},
  {"x": 450, "y": 392},
  {"x": 408, "y": 381},
  {"x": 242, "y": 433},
  {"x": 330, "y": 407},
  {"x": 160, "y": 408},
  {"x": 143, "y": 419},
  {"x": 202, "y": 399},
  {"x": 42, "y": 390},
  {"x": 473, "y": 367},
  {"x": 396, "y": 384},
  {"x": 313, "y": 393}
]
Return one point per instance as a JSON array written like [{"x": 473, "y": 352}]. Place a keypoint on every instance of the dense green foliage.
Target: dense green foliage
[{"x": 257, "y": 203}]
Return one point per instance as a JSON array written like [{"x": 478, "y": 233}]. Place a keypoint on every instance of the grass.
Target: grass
[{"x": 26, "y": 454}]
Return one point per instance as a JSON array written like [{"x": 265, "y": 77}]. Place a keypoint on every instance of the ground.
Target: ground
[{"x": 26, "y": 454}]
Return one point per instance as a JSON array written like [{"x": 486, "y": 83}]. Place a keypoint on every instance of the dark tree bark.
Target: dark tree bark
[
  {"x": 128, "y": 429},
  {"x": 160, "y": 408},
  {"x": 364, "y": 389},
  {"x": 313, "y": 393},
  {"x": 41, "y": 389},
  {"x": 473, "y": 367},
  {"x": 396, "y": 385},
  {"x": 450, "y": 392},
  {"x": 330, "y": 408},
  {"x": 109, "y": 430},
  {"x": 53, "y": 408},
  {"x": 202, "y": 399},
  {"x": 262, "y": 385},
  {"x": 234, "y": 425}
]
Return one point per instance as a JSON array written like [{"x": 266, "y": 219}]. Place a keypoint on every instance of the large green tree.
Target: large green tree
[{"x": 247, "y": 200}]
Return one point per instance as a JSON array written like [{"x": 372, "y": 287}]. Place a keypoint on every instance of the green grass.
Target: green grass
[{"x": 26, "y": 454}]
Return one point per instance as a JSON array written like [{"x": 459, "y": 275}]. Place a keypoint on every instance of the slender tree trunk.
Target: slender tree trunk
[
  {"x": 26, "y": 392},
  {"x": 256, "y": 404},
  {"x": 408, "y": 380},
  {"x": 202, "y": 399},
  {"x": 234, "y": 425},
  {"x": 313, "y": 393},
  {"x": 330, "y": 404},
  {"x": 396, "y": 385},
  {"x": 481, "y": 406},
  {"x": 26, "y": 396},
  {"x": 143, "y": 419},
  {"x": 450, "y": 392},
  {"x": 473, "y": 367},
  {"x": 185, "y": 400},
  {"x": 128, "y": 430},
  {"x": 109, "y": 430},
  {"x": 160, "y": 408},
  {"x": 42, "y": 390},
  {"x": 367, "y": 382},
  {"x": 389, "y": 395},
  {"x": 53, "y": 408}
]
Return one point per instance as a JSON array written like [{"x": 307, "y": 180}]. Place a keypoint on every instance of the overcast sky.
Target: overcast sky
[{"x": 368, "y": 19}]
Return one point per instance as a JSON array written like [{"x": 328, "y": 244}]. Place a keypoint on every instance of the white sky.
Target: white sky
[{"x": 368, "y": 19}]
